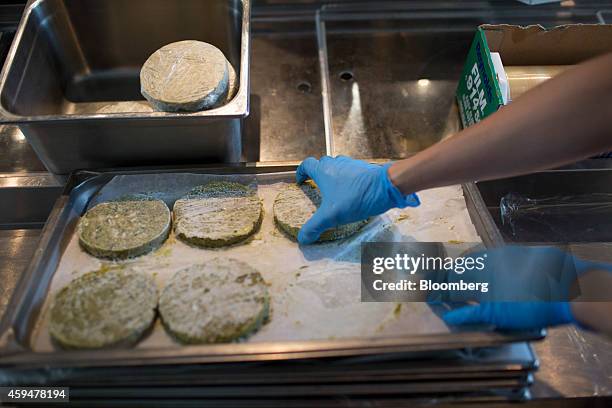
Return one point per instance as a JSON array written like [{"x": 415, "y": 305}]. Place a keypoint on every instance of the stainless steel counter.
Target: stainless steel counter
[
  {"x": 287, "y": 124},
  {"x": 574, "y": 364}
]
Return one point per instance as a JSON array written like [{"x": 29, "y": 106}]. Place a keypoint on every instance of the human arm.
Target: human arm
[{"x": 565, "y": 119}]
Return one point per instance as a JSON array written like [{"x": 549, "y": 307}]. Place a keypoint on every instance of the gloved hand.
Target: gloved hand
[
  {"x": 516, "y": 274},
  {"x": 351, "y": 190},
  {"x": 513, "y": 315},
  {"x": 524, "y": 273}
]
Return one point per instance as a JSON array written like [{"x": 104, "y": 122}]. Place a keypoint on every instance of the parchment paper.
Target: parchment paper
[{"x": 315, "y": 290}]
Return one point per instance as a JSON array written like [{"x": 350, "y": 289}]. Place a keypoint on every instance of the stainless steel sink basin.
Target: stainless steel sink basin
[{"x": 390, "y": 70}]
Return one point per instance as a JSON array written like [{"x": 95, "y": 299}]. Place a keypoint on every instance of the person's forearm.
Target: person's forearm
[
  {"x": 565, "y": 119},
  {"x": 594, "y": 315},
  {"x": 590, "y": 308}
]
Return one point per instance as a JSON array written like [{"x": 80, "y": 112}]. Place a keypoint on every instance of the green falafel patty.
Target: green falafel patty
[
  {"x": 185, "y": 75},
  {"x": 124, "y": 229},
  {"x": 297, "y": 203},
  {"x": 217, "y": 214},
  {"x": 219, "y": 301},
  {"x": 103, "y": 308}
]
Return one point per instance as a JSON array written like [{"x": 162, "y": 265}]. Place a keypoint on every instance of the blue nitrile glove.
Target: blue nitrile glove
[
  {"x": 351, "y": 190},
  {"x": 517, "y": 274},
  {"x": 513, "y": 315},
  {"x": 524, "y": 272}
]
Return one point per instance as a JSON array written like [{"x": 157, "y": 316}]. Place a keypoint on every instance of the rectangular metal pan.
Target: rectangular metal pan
[
  {"x": 590, "y": 178},
  {"x": 17, "y": 326},
  {"x": 71, "y": 57}
]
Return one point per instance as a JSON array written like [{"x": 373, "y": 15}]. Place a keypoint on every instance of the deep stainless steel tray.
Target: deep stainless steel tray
[
  {"x": 581, "y": 229},
  {"x": 17, "y": 324},
  {"x": 70, "y": 57}
]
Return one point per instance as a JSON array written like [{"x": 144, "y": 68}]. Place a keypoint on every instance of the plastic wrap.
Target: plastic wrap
[
  {"x": 568, "y": 218},
  {"x": 185, "y": 75}
]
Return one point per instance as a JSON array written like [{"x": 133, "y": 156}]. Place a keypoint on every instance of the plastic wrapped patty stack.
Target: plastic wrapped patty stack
[{"x": 187, "y": 76}]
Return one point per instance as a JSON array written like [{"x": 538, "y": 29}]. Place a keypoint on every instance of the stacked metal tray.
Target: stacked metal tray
[{"x": 489, "y": 374}]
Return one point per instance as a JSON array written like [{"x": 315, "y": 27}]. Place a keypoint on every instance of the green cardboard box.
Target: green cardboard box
[{"x": 478, "y": 92}]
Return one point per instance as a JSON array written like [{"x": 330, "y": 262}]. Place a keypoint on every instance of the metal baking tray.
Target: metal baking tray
[
  {"x": 70, "y": 57},
  {"x": 586, "y": 233},
  {"x": 25, "y": 308}
]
